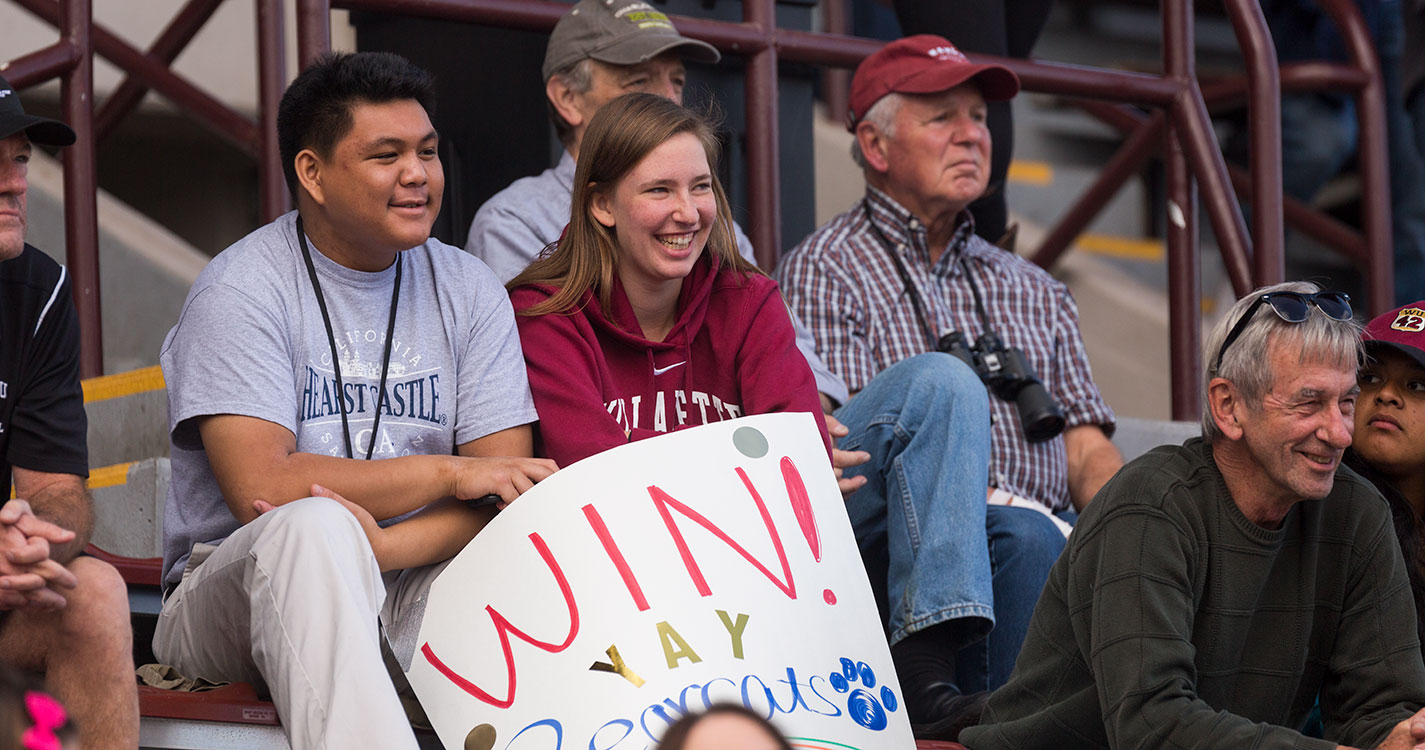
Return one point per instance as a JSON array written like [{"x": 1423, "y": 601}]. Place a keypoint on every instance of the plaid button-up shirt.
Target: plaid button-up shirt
[{"x": 842, "y": 281}]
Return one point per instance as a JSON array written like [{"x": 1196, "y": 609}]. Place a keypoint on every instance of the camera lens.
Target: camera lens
[{"x": 1038, "y": 413}]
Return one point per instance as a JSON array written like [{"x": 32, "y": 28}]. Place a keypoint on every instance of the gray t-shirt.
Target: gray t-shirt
[
  {"x": 251, "y": 341},
  {"x": 515, "y": 224}
]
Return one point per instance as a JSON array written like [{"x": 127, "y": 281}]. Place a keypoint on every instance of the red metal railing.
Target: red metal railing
[
  {"x": 1176, "y": 127},
  {"x": 71, "y": 60},
  {"x": 1368, "y": 247},
  {"x": 1191, "y": 146}
]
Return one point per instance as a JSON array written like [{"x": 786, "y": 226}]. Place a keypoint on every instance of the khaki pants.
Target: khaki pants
[{"x": 294, "y": 601}]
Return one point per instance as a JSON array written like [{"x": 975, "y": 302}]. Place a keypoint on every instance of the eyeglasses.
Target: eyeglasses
[{"x": 1293, "y": 307}]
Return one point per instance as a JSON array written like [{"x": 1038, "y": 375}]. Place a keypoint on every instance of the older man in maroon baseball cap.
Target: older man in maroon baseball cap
[
  {"x": 923, "y": 64},
  {"x": 901, "y": 283},
  {"x": 61, "y": 613}
]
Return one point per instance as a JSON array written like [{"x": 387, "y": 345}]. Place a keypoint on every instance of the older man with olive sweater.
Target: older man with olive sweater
[{"x": 1212, "y": 592}]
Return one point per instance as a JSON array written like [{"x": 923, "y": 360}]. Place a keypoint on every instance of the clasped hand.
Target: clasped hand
[
  {"x": 29, "y": 577},
  {"x": 1407, "y": 735}
]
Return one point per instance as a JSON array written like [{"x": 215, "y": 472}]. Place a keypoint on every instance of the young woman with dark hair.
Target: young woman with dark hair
[{"x": 1389, "y": 443}]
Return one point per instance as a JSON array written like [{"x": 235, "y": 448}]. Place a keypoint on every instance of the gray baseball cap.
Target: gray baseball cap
[{"x": 618, "y": 32}]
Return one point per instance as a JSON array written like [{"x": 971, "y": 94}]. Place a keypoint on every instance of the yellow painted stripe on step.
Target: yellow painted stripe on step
[
  {"x": 109, "y": 476},
  {"x": 1121, "y": 247},
  {"x": 1031, "y": 172},
  {"x": 123, "y": 384}
]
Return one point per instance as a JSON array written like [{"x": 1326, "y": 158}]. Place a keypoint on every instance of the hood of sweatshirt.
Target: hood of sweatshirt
[
  {"x": 621, "y": 326},
  {"x": 692, "y": 310}
]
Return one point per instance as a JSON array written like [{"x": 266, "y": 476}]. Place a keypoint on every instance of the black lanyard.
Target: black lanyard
[
  {"x": 331, "y": 339},
  {"x": 915, "y": 300}
]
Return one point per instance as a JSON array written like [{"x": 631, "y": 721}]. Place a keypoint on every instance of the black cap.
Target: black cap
[{"x": 41, "y": 130}]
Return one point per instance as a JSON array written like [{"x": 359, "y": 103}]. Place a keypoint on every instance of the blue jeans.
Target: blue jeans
[{"x": 922, "y": 516}]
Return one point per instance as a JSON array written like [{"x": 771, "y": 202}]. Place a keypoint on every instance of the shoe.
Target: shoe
[{"x": 943, "y": 716}]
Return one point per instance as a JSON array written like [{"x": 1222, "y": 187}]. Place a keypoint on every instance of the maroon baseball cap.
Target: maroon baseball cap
[
  {"x": 923, "y": 64},
  {"x": 1401, "y": 329}
]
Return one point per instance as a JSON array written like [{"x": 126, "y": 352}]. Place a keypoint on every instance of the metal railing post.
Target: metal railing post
[
  {"x": 1371, "y": 153},
  {"x": 1264, "y": 132},
  {"x": 763, "y": 169},
  {"x": 836, "y": 82},
  {"x": 81, "y": 222},
  {"x": 1184, "y": 282},
  {"x": 314, "y": 34},
  {"x": 271, "y": 78}
]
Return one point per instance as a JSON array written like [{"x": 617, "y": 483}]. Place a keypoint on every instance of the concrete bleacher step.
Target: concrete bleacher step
[
  {"x": 128, "y": 506},
  {"x": 184, "y": 734},
  {"x": 128, "y": 460},
  {"x": 1134, "y": 437},
  {"x": 128, "y": 416}
]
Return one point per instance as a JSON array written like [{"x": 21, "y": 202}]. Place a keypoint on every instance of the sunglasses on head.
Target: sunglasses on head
[{"x": 1293, "y": 307}]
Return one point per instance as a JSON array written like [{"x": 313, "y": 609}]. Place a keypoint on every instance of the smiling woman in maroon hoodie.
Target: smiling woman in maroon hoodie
[{"x": 643, "y": 319}]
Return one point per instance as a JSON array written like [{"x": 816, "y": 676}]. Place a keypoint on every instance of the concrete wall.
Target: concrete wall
[{"x": 145, "y": 270}]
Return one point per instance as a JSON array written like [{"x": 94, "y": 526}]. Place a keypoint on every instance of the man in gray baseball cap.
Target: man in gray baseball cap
[
  {"x": 60, "y": 612},
  {"x": 599, "y": 50},
  {"x": 618, "y": 33}
]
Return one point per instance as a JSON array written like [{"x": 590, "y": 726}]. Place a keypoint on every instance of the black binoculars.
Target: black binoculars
[{"x": 1008, "y": 374}]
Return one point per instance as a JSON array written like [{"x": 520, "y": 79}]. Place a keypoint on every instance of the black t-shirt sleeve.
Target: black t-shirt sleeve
[{"x": 48, "y": 431}]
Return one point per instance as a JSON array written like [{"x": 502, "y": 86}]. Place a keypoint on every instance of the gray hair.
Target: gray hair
[
  {"x": 579, "y": 77},
  {"x": 1246, "y": 364},
  {"x": 882, "y": 114}
]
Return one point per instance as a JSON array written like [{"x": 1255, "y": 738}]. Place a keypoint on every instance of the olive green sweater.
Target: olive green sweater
[{"x": 1172, "y": 621}]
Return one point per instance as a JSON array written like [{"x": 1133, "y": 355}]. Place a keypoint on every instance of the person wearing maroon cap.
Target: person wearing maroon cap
[
  {"x": 60, "y": 612},
  {"x": 1007, "y": 28},
  {"x": 1389, "y": 445},
  {"x": 884, "y": 283}
]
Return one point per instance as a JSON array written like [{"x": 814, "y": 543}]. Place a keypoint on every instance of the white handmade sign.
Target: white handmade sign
[{"x": 710, "y": 565}]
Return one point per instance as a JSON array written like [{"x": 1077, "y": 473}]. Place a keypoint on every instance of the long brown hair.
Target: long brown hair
[{"x": 620, "y": 135}]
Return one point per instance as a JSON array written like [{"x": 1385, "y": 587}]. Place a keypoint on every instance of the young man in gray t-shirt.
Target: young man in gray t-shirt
[{"x": 339, "y": 384}]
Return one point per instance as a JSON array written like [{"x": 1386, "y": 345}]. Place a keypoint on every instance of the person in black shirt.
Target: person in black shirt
[{"x": 60, "y": 613}]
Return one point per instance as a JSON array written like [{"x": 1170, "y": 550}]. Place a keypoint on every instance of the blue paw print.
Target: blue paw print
[{"x": 862, "y": 705}]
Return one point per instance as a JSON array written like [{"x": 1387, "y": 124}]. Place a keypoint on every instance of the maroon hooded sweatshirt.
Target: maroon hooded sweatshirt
[{"x": 598, "y": 383}]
